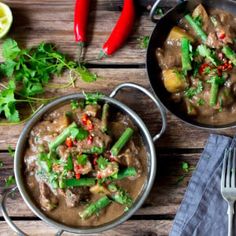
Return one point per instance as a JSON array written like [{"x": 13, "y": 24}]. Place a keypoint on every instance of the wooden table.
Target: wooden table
[{"x": 52, "y": 20}]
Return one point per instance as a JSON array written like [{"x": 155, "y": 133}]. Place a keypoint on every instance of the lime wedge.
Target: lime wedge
[{"x": 5, "y": 19}]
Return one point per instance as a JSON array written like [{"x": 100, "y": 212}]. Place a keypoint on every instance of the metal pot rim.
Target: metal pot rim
[{"x": 18, "y": 163}]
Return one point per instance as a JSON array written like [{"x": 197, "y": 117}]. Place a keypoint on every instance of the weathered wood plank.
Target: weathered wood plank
[
  {"x": 164, "y": 198},
  {"x": 96, "y": 4},
  {"x": 177, "y": 135},
  {"x": 134, "y": 228},
  {"x": 36, "y": 23}
]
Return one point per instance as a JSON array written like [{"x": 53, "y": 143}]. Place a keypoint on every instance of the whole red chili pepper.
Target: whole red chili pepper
[
  {"x": 121, "y": 30},
  {"x": 80, "y": 20}
]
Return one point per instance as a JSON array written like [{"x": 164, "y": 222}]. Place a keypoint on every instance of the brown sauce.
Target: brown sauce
[
  {"x": 46, "y": 131},
  {"x": 198, "y": 107}
]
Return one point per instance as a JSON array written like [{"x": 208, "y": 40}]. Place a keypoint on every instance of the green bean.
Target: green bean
[
  {"x": 214, "y": 93},
  {"x": 119, "y": 195},
  {"x": 185, "y": 55},
  {"x": 198, "y": 30},
  {"x": 79, "y": 182},
  {"x": 230, "y": 54},
  {"x": 124, "y": 138},
  {"x": 105, "y": 113},
  {"x": 127, "y": 172},
  {"x": 62, "y": 137},
  {"x": 95, "y": 207}
]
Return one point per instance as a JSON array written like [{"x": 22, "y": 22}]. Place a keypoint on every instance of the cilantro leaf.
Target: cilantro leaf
[
  {"x": 8, "y": 105},
  {"x": 92, "y": 98},
  {"x": 10, "y": 49},
  {"x": 192, "y": 91},
  {"x": 79, "y": 133},
  {"x": 74, "y": 104},
  {"x": 7, "y": 68},
  {"x": 102, "y": 162},
  {"x": 10, "y": 150},
  {"x": 86, "y": 75},
  {"x": 143, "y": 41},
  {"x": 82, "y": 159},
  {"x": 185, "y": 166},
  {"x": 10, "y": 180}
]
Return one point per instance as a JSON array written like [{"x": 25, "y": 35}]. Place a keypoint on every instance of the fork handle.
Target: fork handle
[{"x": 230, "y": 218}]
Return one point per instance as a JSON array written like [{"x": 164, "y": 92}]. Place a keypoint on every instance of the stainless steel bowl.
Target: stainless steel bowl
[{"x": 151, "y": 159}]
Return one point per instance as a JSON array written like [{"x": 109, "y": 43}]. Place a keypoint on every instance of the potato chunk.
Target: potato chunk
[
  {"x": 200, "y": 11},
  {"x": 177, "y": 33},
  {"x": 173, "y": 81}
]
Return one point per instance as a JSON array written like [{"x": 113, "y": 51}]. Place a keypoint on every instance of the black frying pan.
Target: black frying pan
[{"x": 157, "y": 39}]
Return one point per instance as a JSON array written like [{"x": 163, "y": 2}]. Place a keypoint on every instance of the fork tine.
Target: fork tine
[
  {"x": 233, "y": 169},
  {"x": 224, "y": 170},
  {"x": 228, "y": 170}
]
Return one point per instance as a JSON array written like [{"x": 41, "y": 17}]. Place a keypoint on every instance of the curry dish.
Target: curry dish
[
  {"x": 198, "y": 62},
  {"x": 85, "y": 163}
]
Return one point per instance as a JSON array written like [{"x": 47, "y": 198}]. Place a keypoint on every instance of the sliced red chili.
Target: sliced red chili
[
  {"x": 221, "y": 35},
  {"x": 84, "y": 119},
  {"x": 90, "y": 125},
  {"x": 203, "y": 67},
  {"x": 69, "y": 142},
  {"x": 90, "y": 139},
  {"x": 77, "y": 175}
]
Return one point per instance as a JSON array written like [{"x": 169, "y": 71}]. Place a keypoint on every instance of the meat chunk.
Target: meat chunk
[
  {"x": 48, "y": 200},
  {"x": 130, "y": 158},
  {"x": 75, "y": 195},
  {"x": 92, "y": 110}
]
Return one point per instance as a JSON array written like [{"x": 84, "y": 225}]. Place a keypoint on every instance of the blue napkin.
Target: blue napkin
[{"x": 203, "y": 211}]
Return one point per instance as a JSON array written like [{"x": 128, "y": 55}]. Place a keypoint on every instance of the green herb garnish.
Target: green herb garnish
[
  {"x": 82, "y": 159},
  {"x": 1, "y": 164},
  {"x": 10, "y": 180},
  {"x": 102, "y": 162},
  {"x": 29, "y": 72},
  {"x": 10, "y": 150},
  {"x": 143, "y": 41},
  {"x": 192, "y": 91},
  {"x": 92, "y": 98},
  {"x": 79, "y": 133},
  {"x": 201, "y": 102}
]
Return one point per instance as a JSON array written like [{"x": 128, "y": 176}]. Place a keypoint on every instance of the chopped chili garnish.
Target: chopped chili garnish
[
  {"x": 99, "y": 176},
  {"x": 221, "y": 35},
  {"x": 87, "y": 122},
  {"x": 77, "y": 176},
  {"x": 90, "y": 139},
  {"x": 76, "y": 167},
  {"x": 69, "y": 142},
  {"x": 89, "y": 125},
  {"x": 225, "y": 66},
  {"x": 203, "y": 67},
  {"x": 84, "y": 119},
  {"x": 95, "y": 161}
]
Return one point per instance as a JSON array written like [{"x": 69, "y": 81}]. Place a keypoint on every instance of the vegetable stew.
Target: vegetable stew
[
  {"x": 85, "y": 163},
  {"x": 198, "y": 62}
]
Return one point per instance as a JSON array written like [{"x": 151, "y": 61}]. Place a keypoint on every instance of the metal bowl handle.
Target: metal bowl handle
[
  {"x": 155, "y": 100},
  {"x": 8, "y": 219},
  {"x": 153, "y": 10}
]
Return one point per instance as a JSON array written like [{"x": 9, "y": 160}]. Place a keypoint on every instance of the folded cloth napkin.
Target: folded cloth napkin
[{"x": 203, "y": 211}]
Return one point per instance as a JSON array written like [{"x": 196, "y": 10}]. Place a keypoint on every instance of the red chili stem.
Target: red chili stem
[
  {"x": 81, "y": 14},
  {"x": 122, "y": 28}
]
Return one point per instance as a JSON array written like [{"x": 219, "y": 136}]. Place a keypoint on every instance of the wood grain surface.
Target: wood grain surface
[{"x": 52, "y": 21}]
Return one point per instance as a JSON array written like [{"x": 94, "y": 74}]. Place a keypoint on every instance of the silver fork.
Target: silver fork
[{"x": 228, "y": 187}]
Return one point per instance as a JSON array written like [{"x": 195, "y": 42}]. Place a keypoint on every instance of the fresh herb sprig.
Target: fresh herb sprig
[{"x": 29, "y": 72}]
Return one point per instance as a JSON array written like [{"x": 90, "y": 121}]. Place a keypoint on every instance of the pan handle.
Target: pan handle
[
  {"x": 155, "y": 100},
  {"x": 8, "y": 219},
  {"x": 154, "y": 7}
]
